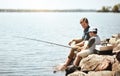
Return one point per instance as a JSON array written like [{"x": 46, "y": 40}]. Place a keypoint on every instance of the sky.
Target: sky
[{"x": 56, "y": 4}]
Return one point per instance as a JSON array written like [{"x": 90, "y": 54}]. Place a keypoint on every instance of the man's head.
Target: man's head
[
  {"x": 93, "y": 31},
  {"x": 84, "y": 22}
]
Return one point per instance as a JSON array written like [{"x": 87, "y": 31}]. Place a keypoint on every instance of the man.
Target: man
[
  {"x": 85, "y": 25},
  {"x": 76, "y": 43}
]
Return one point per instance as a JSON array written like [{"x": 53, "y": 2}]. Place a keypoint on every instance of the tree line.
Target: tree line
[{"x": 115, "y": 8}]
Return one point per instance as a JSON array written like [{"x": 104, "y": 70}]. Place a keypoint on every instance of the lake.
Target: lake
[{"x": 24, "y": 57}]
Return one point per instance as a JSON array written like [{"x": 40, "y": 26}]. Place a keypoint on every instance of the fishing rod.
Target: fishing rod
[{"x": 44, "y": 41}]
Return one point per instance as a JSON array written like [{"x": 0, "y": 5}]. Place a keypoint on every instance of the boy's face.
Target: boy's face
[{"x": 91, "y": 34}]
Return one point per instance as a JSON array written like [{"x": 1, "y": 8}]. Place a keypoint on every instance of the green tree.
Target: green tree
[
  {"x": 105, "y": 9},
  {"x": 118, "y": 5},
  {"x": 115, "y": 8}
]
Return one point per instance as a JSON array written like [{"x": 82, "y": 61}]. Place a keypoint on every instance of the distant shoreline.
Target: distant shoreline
[{"x": 47, "y": 10}]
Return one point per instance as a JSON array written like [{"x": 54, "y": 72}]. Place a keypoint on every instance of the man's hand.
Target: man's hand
[
  {"x": 77, "y": 48},
  {"x": 80, "y": 44},
  {"x": 71, "y": 43},
  {"x": 74, "y": 41}
]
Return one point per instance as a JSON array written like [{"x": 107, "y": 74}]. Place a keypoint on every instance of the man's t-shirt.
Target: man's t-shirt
[{"x": 86, "y": 34}]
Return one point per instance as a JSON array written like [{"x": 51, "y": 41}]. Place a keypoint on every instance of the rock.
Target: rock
[
  {"x": 116, "y": 46},
  {"x": 78, "y": 73},
  {"x": 101, "y": 73},
  {"x": 93, "y": 73},
  {"x": 117, "y": 73},
  {"x": 92, "y": 62},
  {"x": 112, "y": 41},
  {"x": 117, "y": 36},
  {"x": 114, "y": 38},
  {"x": 116, "y": 66}
]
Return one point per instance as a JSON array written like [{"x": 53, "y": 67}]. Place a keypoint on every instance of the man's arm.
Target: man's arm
[
  {"x": 80, "y": 44},
  {"x": 75, "y": 41}
]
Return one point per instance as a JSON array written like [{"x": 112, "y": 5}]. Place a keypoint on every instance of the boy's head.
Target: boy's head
[{"x": 93, "y": 31}]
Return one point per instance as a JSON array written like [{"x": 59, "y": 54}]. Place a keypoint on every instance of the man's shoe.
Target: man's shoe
[{"x": 71, "y": 69}]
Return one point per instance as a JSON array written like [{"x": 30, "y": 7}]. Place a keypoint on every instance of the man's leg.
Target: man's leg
[
  {"x": 70, "y": 57},
  {"x": 68, "y": 60}
]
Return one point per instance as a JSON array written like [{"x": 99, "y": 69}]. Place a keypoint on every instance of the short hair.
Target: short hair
[{"x": 85, "y": 19}]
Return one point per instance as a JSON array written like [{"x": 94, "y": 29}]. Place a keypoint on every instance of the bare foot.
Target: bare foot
[{"x": 61, "y": 67}]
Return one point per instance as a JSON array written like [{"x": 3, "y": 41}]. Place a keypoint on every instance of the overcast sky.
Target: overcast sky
[{"x": 57, "y": 4}]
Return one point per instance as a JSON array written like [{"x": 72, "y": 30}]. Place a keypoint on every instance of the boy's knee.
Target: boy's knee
[{"x": 78, "y": 55}]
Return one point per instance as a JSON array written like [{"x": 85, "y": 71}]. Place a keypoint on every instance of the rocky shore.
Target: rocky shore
[{"x": 102, "y": 64}]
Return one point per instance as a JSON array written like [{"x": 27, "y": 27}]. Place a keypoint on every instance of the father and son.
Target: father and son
[{"x": 83, "y": 47}]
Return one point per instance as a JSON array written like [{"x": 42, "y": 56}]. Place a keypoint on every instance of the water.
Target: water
[{"x": 21, "y": 57}]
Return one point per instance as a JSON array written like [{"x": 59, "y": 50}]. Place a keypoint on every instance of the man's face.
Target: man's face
[{"x": 83, "y": 24}]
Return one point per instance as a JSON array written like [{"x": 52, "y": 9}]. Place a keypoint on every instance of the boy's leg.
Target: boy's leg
[{"x": 80, "y": 55}]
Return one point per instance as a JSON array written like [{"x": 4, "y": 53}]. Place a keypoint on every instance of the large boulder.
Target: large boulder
[
  {"x": 78, "y": 73},
  {"x": 93, "y": 73},
  {"x": 101, "y": 73},
  {"x": 93, "y": 62}
]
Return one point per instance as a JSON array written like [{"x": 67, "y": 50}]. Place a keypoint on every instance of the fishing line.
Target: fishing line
[{"x": 43, "y": 41}]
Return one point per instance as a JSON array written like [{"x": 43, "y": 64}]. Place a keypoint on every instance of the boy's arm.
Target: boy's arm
[{"x": 90, "y": 43}]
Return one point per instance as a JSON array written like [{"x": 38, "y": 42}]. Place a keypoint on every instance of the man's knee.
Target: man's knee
[{"x": 70, "y": 57}]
